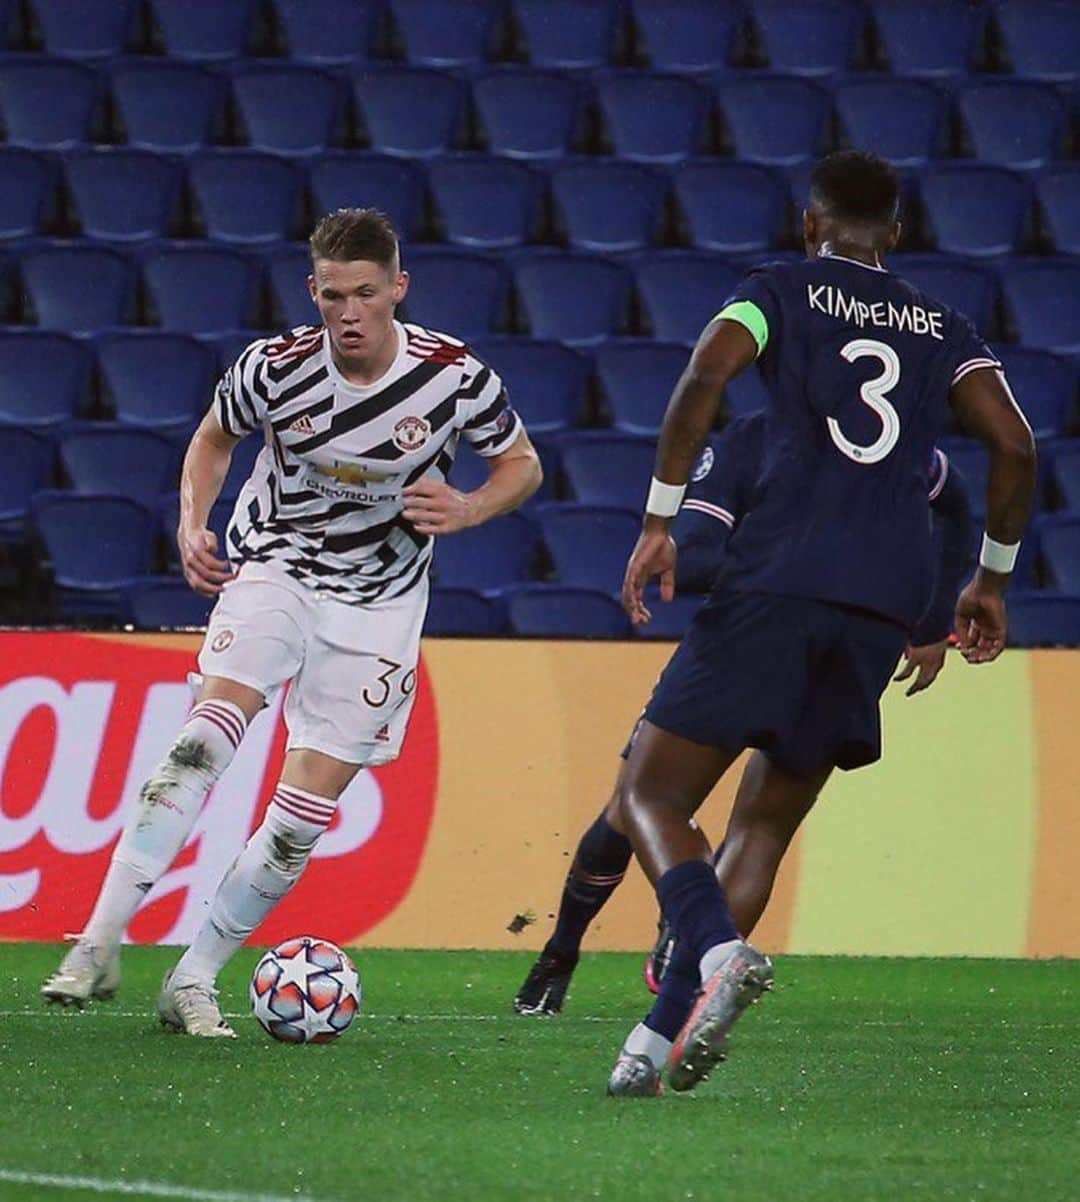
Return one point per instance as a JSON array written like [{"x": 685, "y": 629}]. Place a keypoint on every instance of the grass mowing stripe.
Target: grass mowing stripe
[{"x": 146, "y": 1189}]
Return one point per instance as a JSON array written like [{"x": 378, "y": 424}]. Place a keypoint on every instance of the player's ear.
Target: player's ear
[
  {"x": 809, "y": 230},
  {"x": 313, "y": 288},
  {"x": 401, "y": 286},
  {"x": 894, "y": 236}
]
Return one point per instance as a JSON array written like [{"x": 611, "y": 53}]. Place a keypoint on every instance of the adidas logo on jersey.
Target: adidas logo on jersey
[{"x": 303, "y": 425}]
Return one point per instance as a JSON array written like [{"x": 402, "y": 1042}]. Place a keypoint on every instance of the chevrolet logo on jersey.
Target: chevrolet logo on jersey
[{"x": 347, "y": 473}]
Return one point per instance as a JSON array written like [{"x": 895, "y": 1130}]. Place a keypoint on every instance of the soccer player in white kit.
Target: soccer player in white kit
[{"x": 330, "y": 544}]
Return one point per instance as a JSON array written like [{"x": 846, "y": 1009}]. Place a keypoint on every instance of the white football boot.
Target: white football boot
[
  {"x": 192, "y": 1009},
  {"x": 86, "y": 972}
]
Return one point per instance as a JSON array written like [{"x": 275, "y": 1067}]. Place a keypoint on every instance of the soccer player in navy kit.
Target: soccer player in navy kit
[{"x": 824, "y": 578}]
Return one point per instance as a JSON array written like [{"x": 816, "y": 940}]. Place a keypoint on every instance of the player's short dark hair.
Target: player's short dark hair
[
  {"x": 349, "y": 234},
  {"x": 855, "y": 186}
]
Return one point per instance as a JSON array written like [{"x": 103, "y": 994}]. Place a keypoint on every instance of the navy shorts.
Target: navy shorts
[{"x": 797, "y": 678}]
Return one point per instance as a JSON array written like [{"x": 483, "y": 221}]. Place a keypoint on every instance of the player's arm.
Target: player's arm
[
  {"x": 987, "y": 409},
  {"x": 205, "y": 466}
]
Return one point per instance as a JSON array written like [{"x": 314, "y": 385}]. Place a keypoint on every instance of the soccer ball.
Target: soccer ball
[{"x": 305, "y": 990}]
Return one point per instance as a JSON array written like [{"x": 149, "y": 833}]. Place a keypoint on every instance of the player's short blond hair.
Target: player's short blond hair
[{"x": 349, "y": 234}]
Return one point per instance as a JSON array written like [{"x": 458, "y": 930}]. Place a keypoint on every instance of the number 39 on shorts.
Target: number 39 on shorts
[
  {"x": 872, "y": 394},
  {"x": 389, "y": 683}
]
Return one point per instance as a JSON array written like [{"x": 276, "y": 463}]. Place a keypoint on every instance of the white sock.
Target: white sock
[
  {"x": 716, "y": 955},
  {"x": 267, "y": 868},
  {"x": 644, "y": 1041},
  {"x": 166, "y": 810}
]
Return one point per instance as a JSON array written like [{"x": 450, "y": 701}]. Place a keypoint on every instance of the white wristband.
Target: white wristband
[
  {"x": 998, "y": 557},
  {"x": 664, "y": 499}
]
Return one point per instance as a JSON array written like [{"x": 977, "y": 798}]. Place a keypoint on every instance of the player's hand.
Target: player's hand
[
  {"x": 980, "y": 618},
  {"x": 654, "y": 555},
  {"x": 198, "y": 555},
  {"x": 435, "y": 507},
  {"x": 925, "y": 662}
]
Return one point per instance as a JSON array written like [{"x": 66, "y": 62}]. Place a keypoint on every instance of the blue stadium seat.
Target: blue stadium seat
[
  {"x": 206, "y": 32},
  {"x": 162, "y": 381},
  {"x": 903, "y": 120},
  {"x": 287, "y": 269},
  {"x": 44, "y": 377},
  {"x": 529, "y": 114},
  {"x": 446, "y": 33},
  {"x": 808, "y": 37},
  {"x": 637, "y": 377},
  {"x": 145, "y": 92},
  {"x": 731, "y": 207},
  {"x": 202, "y": 289},
  {"x": 1059, "y": 541},
  {"x": 670, "y": 619},
  {"x": 1065, "y": 472},
  {"x": 491, "y": 556},
  {"x": 123, "y": 195},
  {"x": 688, "y": 36},
  {"x": 1043, "y": 384},
  {"x": 164, "y": 602},
  {"x": 773, "y": 119},
  {"x": 27, "y": 192},
  {"x": 1043, "y": 296},
  {"x": 546, "y": 380},
  {"x": 486, "y": 203},
  {"x": 1042, "y": 38},
  {"x": 454, "y": 292},
  {"x": 930, "y": 39},
  {"x": 589, "y": 545},
  {"x": 169, "y": 521},
  {"x": 569, "y": 34},
  {"x": 1040, "y": 619},
  {"x": 552, "y": 612},
  {"x": 973, "y": 462},
  {"x": 329, "y": 32},
  {"x": 105, "y": 458},
  {"x": 1013, "y": 123},
  {"x": 1058, "y": 190},
  {"x": 654, "y": 118},
  {"x": 48, "y": 104},
  {"x": 393, "y": 185},
  {"x": 608, "y": 207},
  {"x": 79, "y": 288},
  {"x": 88, "y": 29},
  {"x": 247, "y": 198},
  {"x": 25, "y": 465},
  {"x": 572, "y": 297},
  {"x": 608, "y": 469},
  {"x": 747, "y": 393},
  {"x": 968, "y": 287},
  {"x": 412, "y": 112},
  {"x": 463, "y": 612},
  {"x": 975, "y": 210},
  {"x": 683, "y": 291},
  {"x": 246, "y": 451},
  {"x": 288, "y": 108}
]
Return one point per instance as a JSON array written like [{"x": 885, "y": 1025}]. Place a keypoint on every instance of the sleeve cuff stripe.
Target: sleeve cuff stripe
[
  {"x": 943, "y": 474},
  {"x": 713, "y": 511},
  {"x": 974, "y": 365}
]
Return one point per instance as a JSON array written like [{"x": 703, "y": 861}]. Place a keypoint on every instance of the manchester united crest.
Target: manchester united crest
[{"x": 411, "y": 433}]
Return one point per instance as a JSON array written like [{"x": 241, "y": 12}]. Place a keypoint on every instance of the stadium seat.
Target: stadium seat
[
  {"x": 972, "y": 461},
  {"x": 288, "y": 108},
  {"x": 608, "y": 469},
  {"x": 25, "y": 465},
  {"x": 206, "y": 32},
  {"x": 552, "y": 612},
  {"x": 446, "y": 33},
  {"x": 412, "y": 112},
  {"x": 670, "y": 619},
  {"x": 329, "y": 32},
  {"x": 688, "y": 36},
  {"x": 747, "y": 393},
  {"x": 44, "y": 378},
  {"x": 145, "y": 91},
  {"x": 163, "y": 602},
  {"x": 1044, "y": 385},
  {"x": 773, "y": 119},
  {"x": 1043, "y": 297},
  {"x": 491, "y": 556},
  {"x": 48, "y": 104},
  {"x": 1058, "y": 190},
  {"x": 731, "y": 207},
  {"x": 202, "y": 289},
  {"x": 1059, "y": 541},
  {"x": 574, "y": 298},
  {"x": 975, "y": 210},
  {"x": 1013, "y": 123},
  {"x": 589, "y": 545},
  {"x": 1065, "y": 472},
  {"x": 463, "y": 612},
  {"x": 392, "y": 185},
  {"x": 1042, "y": 38},
  {"x": 486, "y": 203},
  {"x": 902, "y": 120},
  {"x": 105, "y": 458},
  {"x": 162, "y": 381},
  {"x": 454, "y": 292},
  {"x": 637, "y": 377},
  {"x": 1042, "y": 619},
  {"x": 247, "y": 198},
  {"x": 87, "y": 29},
  {"x": 808, "y": 37},
  {"x": 241, "y": 465},
  {"x": 682, "y": 291},
  {"x": 27, "y": 192},
  {"x": 169, "y": 521},
  {"x": 654, "y": 118},
  {"x": 967, "y": 287},
  {"x": 78, "y": 288},
  {"x": 545, "y": 380},
  {"x": 529, "y": 114},
  {"x": 287, "y": 269},
  {"x": 608, "y": 207},
  {"x": 929, "y": 39},
  {"x": 123, "y": 195},
  {"x": 568, "y": 34}
]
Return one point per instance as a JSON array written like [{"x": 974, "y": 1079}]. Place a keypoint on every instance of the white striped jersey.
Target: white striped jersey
[{"x": 324, "y": 498}]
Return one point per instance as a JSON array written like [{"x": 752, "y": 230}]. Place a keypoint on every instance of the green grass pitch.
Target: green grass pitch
[{"x": 857, "y": 1079}]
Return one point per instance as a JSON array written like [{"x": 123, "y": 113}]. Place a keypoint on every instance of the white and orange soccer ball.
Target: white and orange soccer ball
[{"x": 305, "y": 990}]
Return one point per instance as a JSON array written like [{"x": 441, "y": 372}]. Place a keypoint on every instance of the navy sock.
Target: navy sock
[
  {"x": 600, "y": 864},
  {"x": 677, "y": 992},
  {"x": 693, "y": 902}
]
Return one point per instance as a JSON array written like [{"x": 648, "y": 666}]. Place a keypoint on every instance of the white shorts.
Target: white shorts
[{"x": 353, "y": 667}]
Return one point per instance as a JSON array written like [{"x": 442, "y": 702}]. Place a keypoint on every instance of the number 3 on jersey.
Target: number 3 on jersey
[{"x": 872, "y": 394}]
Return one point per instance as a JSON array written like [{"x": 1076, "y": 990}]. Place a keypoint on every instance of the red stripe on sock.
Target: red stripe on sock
[
  {"x": 225, "y": 729},
  {"x": 319, "y": 806},
  {"x": 237, "y": 724},
  {"x": 287, "y": 806}
]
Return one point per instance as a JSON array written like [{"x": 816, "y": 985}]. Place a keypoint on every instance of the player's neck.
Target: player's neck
[
  {"x": 844, "y": 248},
  {"x": 368, "y": 370}
]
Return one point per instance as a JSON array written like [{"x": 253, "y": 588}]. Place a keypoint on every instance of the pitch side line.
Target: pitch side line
[
  {"x": 146, "y": 1189},
  {"x": 96, "y": 1011}
]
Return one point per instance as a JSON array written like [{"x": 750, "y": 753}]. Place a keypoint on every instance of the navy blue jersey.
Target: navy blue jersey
[{"x": 858, "y": 365}]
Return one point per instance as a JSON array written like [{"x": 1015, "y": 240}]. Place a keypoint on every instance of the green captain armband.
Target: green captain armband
[{"x": 750, "y": 317}]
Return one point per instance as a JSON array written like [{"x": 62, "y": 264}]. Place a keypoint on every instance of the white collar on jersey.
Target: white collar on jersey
[{"x": 825, "y": 253}]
